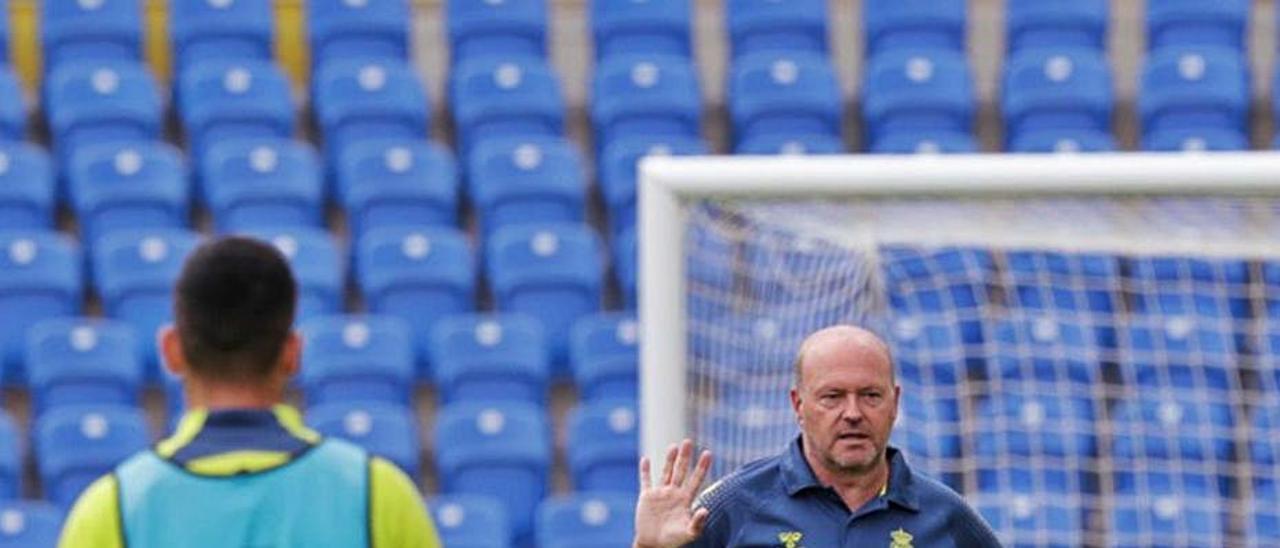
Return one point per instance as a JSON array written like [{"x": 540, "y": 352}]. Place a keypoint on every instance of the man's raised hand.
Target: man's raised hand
[{"x": 665, "y": 517}]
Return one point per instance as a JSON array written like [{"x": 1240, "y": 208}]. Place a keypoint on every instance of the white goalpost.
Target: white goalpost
[{"x": 1083, "y": 318}]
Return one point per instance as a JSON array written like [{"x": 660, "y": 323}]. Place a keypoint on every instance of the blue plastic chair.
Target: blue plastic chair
[
  {"x": 357, "y": 359},
  {"x": 1177, "y": 23},
  {"x": 645, "y": 95},
  {"x": 32, "y": 523},
  {"x": 221, "y": 29},
  {"x": 1051, "y": 425},
  {"x": 926, "y": 142},
  {"x": 604, "y": 355},
  {"x": 619, "y": 162},
  {"x": 343, "y": 29},
  {"x": 75, "y": 361},
  {"x": 522, "y": 180},
  {"x": 27, "y": 188},
  {"x": 128, "y": 185},
  {"x": 11, "y": 463},
  {"x": 1166, "y": 511},
  {"x": 4, "y": 29},
  {"x": 384, "y": 429},
  {"x": 1169, "y": 430},
  {"x": 928, "y": 429},
  {"x": 1185, "y": 286},
  {"x": 604, "y": 446},
  {"x": 419, "y": 274},
  {"x": 791, "y": 145},
  {"x": 1029, "y": 517},
  {"x": 478, "y": 28},
  {"x": 913, "y": 24},
  {"x": 928, "y": 351},
  {"x": 659, "y": 27},
  {"x": 776, "y": 26},
  {"x": 1053, "y": 91},
  {"x": 914, "y": 92},
  {"x": 134, "y": 272},
  {"x": 1042, "y": 281},
  {"x": 75, "y": 445},
  {"x": 1064, "y": 141},
  {"x": 1051, "y": 349},
  {"x": 397, "y": 182},
  {"x": 259, "y": 183},
  {"x": 586, "y": 520},
  {"x": 13, "y": 108},
  {"x": 471, "y": 521},
  {"x": 790, "y": 93},
  {"x": 41, "y": 277},
  {"x": 1185, "y": 352},
  {"x": 227, "y": 99},
  {"x": 502, "y": 450},
  {"x": 494, "y": 357},
  {"x": 553, "y": 272},
  {"x": 318, "y": 265},
  {"x": 356, "y": 100},
  {"x": 99, "y": 30},
  {"x": 626, "y": 265},
  {"x": 1192, "y": 140},
  {"x": 98, "y": 102},
  {"x": 1194, "y": 91},
  {"x": 505, "y": 96},
  {"x": 1057, "y": 24}
]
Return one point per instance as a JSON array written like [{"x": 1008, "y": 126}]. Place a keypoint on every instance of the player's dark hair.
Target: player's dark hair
[{"x": 233, "y": 308}]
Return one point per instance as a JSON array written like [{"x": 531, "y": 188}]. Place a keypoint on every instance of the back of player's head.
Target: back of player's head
[{"x": 233, "y": 309}]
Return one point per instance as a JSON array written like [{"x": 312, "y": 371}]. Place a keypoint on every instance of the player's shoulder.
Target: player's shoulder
[{"x": 748, "y": 483}]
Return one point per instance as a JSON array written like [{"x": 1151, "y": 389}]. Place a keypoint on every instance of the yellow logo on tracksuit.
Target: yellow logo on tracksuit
[
  {"x": 900, "y": 539},
  {"x": 790, "y": 539}
]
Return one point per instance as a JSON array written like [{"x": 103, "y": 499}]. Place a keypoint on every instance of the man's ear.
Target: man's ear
[
  {"x": 291, "y": 355},
  {"x": 795, "y": 402},
  {"x": 175, "y": 360}
]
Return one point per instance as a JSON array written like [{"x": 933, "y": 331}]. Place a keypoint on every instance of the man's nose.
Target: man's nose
[{"x": 852, "y": 412}]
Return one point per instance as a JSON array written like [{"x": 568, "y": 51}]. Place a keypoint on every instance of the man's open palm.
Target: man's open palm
[{"x": 664, "y": 514}]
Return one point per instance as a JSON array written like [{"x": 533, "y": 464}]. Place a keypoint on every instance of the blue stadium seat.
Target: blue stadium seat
[
  {"x": 776, "y": 26},
  {"x": 496, "y": 96},
  {"x": 603, "y": 354},
  {"x": 29, "y": 523},
  {"x": 618, "y": 170},
  {"x": 1192, "y": 140},
  {"x": 660, "y": 27},
  {"x": 626, "y": 265},
  {"x": 1047, "y": 348},
  {"x": 947, "y": 280},
  {"x": 645, "y": 95},
  {"x": 1168, "y": 432},
  {"x": 495, "y": 357},
  {"x": 1051, "y": 433},
  {"x": 1046, "y": 280},
  {"x": 76, "y": 444},
  {"x": 553, "y": 272},
  {"x": 471, "y": 521},
  {"x": 355, "y": 100},
  {"x": 27, "y": 188},
  {"x": 928, "y": 352},
  {"x": 41, "y": 277},
  {"x": 419, "y": 274},
  {"x": 586, "y": 520},
  {"x": 604, "y": 446},
  {"x": 262, "y": 183},
  {"x": 791, "y": 145},
  {"x": 1164, "y": 510},
  {"x": 910, "y": 24},
  {"x": 134, "y": 272},
  {"x": 789, "y": 93},
  {"x": 1194, "y": 93},
  {"x": 917, "y": 92},
  {"x": 1057, "y": 24},
  {"x": 318, "y": 265},
  {"x": 100, "y": 30},
  {"x": 1262, "y": 522},
  {"x": 384, "y": 429},
  {"x": 357, "y": 359},
  {"x": 928, "y": 429},
  {"x": 1264, "y": 447},
  {"x": 11, "y": 464},
  {"x": 522, "y": 180},
  {"x": 1064, "y": 142},
  {"x": 4, "y": 30},
  {"x": 479, "y": 28},
  {"x": 1178, "y": 351},
  {"x": 79, "y": 361},
  {"x": 346, "y": 29},
  {"x": 1030, "y": 518},
  {"x": 128, "y": 185},
  {"x": 221, "y": 29},
  {"x": 397, "y": 182},
  {"x": 1178, "y": 23},
  {"x": 1180, "y": 286},
  {"x": 926, "y": 142},
  {"x": 228, "y": 99},
  {"x": 1055, "y": 92},
  {"x": 13, "y": 108},
  {"x": 99, "y": 102},
  {"x": 502, "y": 450}
]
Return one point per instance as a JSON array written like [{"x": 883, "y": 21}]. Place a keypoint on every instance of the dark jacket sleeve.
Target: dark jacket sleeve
[
  {"x": 970, "y": 530},
  {"x": 716, "y": 499}
]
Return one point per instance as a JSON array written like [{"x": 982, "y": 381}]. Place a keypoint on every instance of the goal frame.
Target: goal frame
[{"x": 667, "y": 184}]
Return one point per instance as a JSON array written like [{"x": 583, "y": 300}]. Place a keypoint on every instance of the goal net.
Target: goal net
[{"x": 1084, "y": 343}]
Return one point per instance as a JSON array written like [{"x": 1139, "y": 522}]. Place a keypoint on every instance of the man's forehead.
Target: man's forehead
[{"x": 846, "y": 347}]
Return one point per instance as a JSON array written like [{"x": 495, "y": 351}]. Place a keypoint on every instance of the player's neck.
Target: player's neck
[
  {"x": 218, "y": 396},
  {"x": 855, "y": 489}
]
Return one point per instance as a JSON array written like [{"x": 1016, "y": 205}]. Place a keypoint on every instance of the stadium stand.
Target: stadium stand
[
  {"x": 76, "y": 444},
  {"x": 128, "y": 185},
  {"x": 1057, "y": 24},
  {"x": 98, "y": 102},
  {"x": 645, "y": 95},
  {"x": 29, "y": 523},
  {"x": 79, "y": 361},
  {"x": 476, "y": 521},
  {"x": 262, "y": 183},
  {"x": 41, "y": 277},
  {"x": 604, "y": 442},
  {"x": 617, "y": 171},
  {"x": 526, "y": 180},
  {"x": 491, "y": 357},
  {"x": 236, "y": 30},
  {"x": 397, "y": 182},
  {"x": 384, "y": 429},
  {"x": 776, "y": 26},
  {"x": 495, "y": 96},
  {"x": 603, "y": 354},
  {"x": 372, "y": 29},
  {"x": 13, "y": 111},
  {"x": 917, "y": 94},
  {"x": 1177, "y": 23},
  {"x": 27, "y": 188},
  {"x": 90, "y": 30},
  {"x": 511, "y": 28},
  {"x": 227, "y": 99},
  {"x": 1194, "y": 99},
  {"x": 784, "y": 93},
  {"x": 357, "y": 358},
  {"x": 357, "y": 99},
  {"x": 897, "y": 24},
  {"x": 11, "y": 461},
  {"x": 1058, "y": 99},
  {"x": 658, "y": 27},
  {"x": 586, "y": 519}
]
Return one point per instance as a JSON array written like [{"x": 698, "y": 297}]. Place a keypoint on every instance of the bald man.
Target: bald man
[{"x": 839, "y": 483}]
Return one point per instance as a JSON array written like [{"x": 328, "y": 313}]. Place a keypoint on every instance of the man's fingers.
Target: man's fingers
[
  {"x": 668, "y": 465},
  {"x": 699, "y": 471},
  {"x": 682, "y": 462},
  {"x": 644, "y": 473},
  {"x": 699, "y": 521}
]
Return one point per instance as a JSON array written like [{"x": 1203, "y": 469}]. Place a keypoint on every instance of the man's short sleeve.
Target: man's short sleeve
[
  {"x": 94, "y": 521},
  {"x": 716, "y": 533},
  {"x": 969, "y": 529},
  {"x": 398, "y": 518}
]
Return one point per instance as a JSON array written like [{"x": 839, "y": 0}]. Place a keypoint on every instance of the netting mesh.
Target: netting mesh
[{"x": 1084, "y": 371}]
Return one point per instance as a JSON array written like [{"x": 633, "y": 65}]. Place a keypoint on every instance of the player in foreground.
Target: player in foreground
[
  {"x": 838, "y": 484},
  {"x": 242, "y": 469}
]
